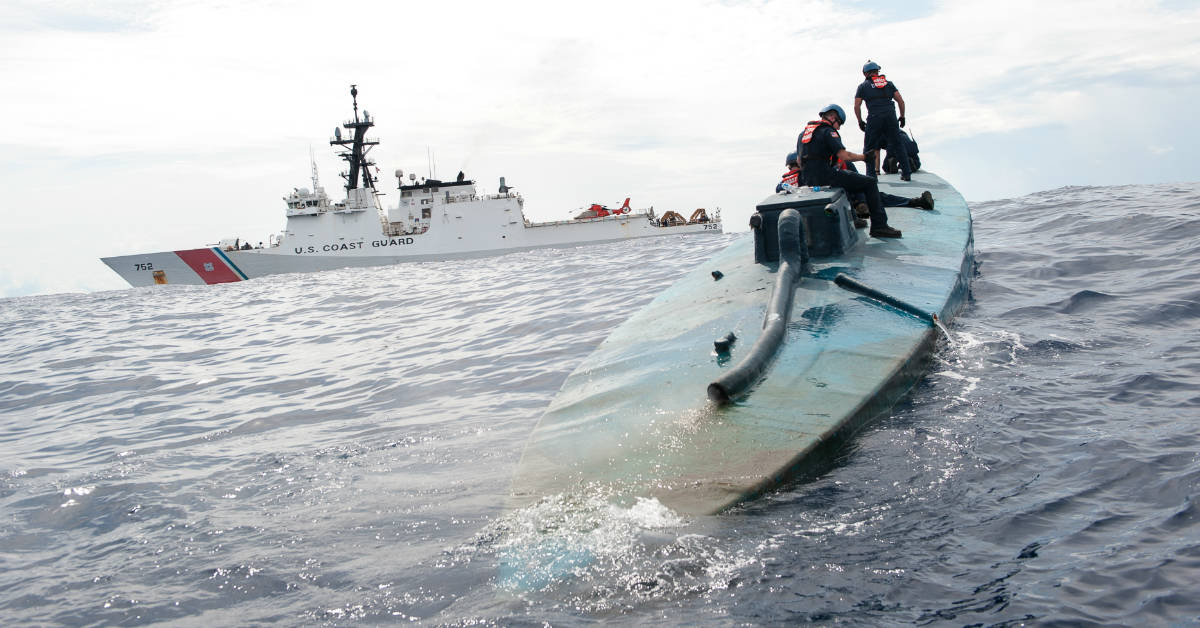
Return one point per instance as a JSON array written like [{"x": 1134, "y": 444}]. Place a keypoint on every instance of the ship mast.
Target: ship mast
[
  {"x": 312, "y": 158},
  {"x": 359, "y": 146}
]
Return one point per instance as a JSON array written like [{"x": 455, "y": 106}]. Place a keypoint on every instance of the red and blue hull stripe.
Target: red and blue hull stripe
[{"x": 212, "y": 265}]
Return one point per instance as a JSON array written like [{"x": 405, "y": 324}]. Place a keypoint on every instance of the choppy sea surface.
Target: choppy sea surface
[{"x": 335, "y": 448}]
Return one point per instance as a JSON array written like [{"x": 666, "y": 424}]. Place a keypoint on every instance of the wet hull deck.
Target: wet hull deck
[{"x": 633, "y": 419}]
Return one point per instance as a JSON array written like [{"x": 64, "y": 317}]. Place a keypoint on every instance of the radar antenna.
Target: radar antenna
[{"x": 359, "y": 146}]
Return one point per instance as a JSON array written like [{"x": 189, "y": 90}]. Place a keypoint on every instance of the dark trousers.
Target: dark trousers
[
  {"x": 852, "y": 183},
  {"x": 884, "y": 132},
  {"x": 888, "y": 200}
]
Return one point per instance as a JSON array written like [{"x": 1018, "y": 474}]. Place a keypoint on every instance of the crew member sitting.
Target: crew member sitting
[
  {"x": 792, "y": 177},
  {"x": 820, "y": 149},
  {"x": 858, "y": 200}
]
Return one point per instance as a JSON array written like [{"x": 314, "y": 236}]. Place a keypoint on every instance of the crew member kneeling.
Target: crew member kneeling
[{"x": 820, "y": 149}]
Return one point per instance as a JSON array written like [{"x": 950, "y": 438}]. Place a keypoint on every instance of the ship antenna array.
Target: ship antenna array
[
  {"x": 359, "y": 146},
  {"x": 312, "y": 158}
]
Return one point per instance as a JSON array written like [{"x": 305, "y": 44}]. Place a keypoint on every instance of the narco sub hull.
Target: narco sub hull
[{"x": 635, "y": 419}]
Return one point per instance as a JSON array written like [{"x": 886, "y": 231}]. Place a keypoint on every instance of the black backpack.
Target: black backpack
[{"x": 891, "y": 165}]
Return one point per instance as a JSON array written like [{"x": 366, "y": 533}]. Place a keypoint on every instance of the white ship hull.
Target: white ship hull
[{"x": 308, "y": 252}]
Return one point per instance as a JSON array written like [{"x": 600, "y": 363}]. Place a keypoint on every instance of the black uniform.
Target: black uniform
[
  {"x": 819, "y": 158},
  {"x": 883, "y": 129}
]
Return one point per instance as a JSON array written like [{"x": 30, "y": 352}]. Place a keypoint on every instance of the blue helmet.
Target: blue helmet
[
  {"x": 836, "y": 109},
  {"x": 791, "y": 159},
  {"x": 871, "y": 65}
]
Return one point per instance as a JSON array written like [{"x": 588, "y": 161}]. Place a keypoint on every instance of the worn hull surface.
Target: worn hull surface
[{"x": 634, "y": 420}]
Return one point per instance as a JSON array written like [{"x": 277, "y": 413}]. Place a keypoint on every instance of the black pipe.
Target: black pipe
[
  {"x": 792, "y": 255},
  {"x": 857, "y": 286}
]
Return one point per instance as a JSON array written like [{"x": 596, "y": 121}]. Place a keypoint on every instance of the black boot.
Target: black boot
[
  {"x": 870, "y": 155},
  {"x": 924, "y": 201},
  {"x": 884, "y": 232}
]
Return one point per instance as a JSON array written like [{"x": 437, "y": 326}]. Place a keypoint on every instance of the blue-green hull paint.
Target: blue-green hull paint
[
  {"x": 734, "y": 381},
  {"x": 633, "y": 420}
]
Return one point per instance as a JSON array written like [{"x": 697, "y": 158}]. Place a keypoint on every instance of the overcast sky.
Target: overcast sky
[{"x": 135, "y": 126}]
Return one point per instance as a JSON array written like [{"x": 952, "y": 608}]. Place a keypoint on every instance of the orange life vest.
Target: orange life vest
[
  {"x": 808, "y": 130},
  {"x": 879, "y": 81},
  {"x": 807, "y": 137}
]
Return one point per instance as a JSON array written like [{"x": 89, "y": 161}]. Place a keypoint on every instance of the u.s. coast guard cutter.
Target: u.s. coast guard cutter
[{"x": 433, "y": 220}]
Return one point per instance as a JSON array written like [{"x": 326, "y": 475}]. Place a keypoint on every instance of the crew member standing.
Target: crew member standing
[
  {"x": 882, "y": 128},
  {"x": 820, "y": 149}
]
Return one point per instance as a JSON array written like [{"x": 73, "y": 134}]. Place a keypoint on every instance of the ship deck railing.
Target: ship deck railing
[
  {"x": 575, "y": 221},
  {"x": 431, "y": 199}
]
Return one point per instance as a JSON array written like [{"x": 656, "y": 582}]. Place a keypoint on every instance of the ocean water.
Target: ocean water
[{"x": 335, "y": 449}]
